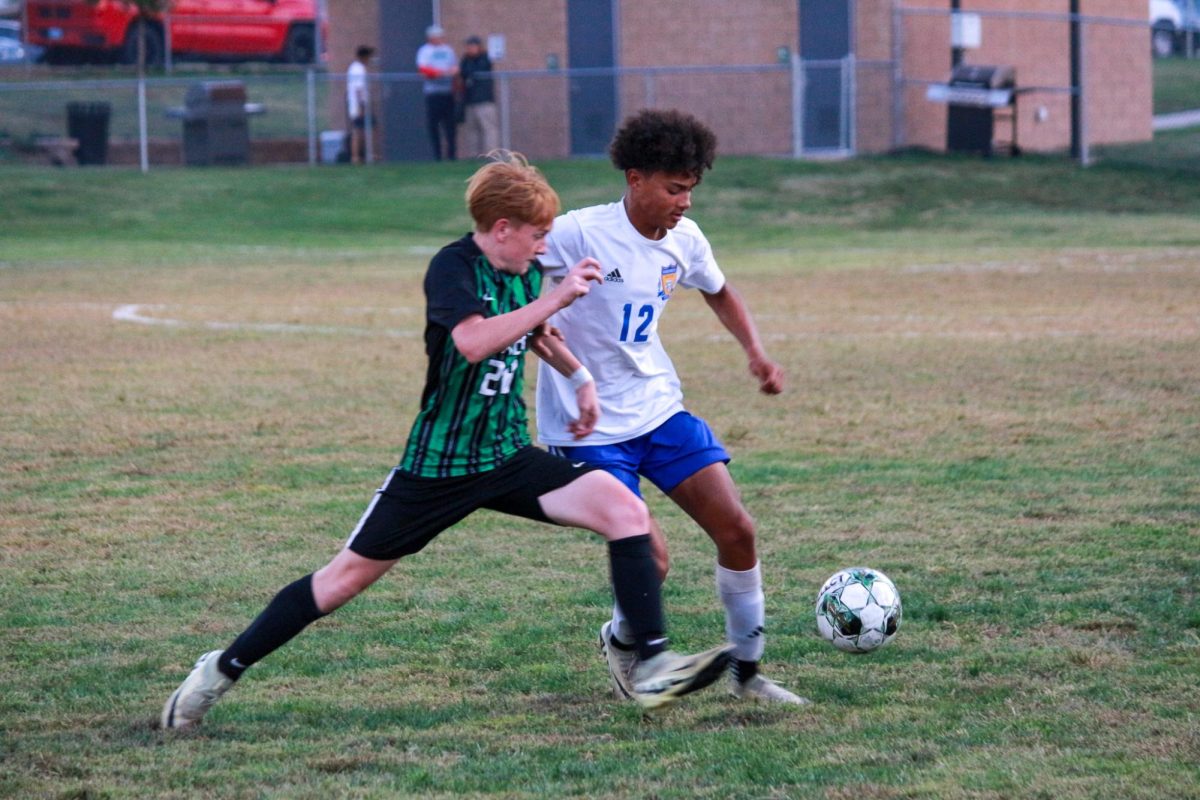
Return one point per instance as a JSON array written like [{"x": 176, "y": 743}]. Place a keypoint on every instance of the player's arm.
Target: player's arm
[
  {"x": 550, "y": 347},
  {"x": 478, "y": 337},
  {"x": 733, "y": 313}
]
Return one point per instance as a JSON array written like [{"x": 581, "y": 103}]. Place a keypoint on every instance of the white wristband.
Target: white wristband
[{"x": 580, "y": 377}]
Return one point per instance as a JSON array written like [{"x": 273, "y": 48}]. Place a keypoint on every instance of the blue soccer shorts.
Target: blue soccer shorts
[{"x": 667, "y": 455}]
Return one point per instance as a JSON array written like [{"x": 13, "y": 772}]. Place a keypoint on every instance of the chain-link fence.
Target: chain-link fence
[{"x": 1077, "y": 83}]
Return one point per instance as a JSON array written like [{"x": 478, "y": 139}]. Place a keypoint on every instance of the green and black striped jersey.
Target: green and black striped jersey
[{"x": 472, "y": 416}]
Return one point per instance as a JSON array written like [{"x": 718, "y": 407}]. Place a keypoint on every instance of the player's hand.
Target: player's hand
[
  {"x": 589, "y": 411},
  {"x": 577, "y": 282},
  {"x": 768, "y": 373}
]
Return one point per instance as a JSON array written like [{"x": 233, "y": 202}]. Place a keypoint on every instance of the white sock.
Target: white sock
[
  {"x": 621, "y": 631},
  {"x": 742, "y": 595}
]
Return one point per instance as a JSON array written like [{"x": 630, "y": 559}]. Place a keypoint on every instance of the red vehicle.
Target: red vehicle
[{"x": 72, "y": 30}]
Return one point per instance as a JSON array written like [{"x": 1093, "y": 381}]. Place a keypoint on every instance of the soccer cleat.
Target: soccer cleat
[
  {"x": 669, "y": 676},
  {"x": 621, "y": 664},
  {"x": 202, "y": 688},
  {"x": 765, "y": 690}
]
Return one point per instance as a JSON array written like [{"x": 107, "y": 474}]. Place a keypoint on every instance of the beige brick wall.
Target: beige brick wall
[
  {"x": 751, "y": 113},
  {"x": 1116, "y": 61},
  {"x": 703, "y": 32},
  {"x": 537, "y": 107}
]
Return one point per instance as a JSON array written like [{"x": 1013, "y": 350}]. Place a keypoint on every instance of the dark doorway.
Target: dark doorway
[
  {"x": 825, "y": 40},
  {"x": 402, "y": 103},
  {"x": 593, "y": 98}
]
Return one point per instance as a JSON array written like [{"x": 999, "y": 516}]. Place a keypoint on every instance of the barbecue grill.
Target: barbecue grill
[
  {"x": 216, "y": 128},
  {"x": 977, "y": 95}
]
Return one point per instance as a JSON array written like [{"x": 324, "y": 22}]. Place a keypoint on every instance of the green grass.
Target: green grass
[
  {"x": 992, "y": 397},
  {"x": 1176, "y": 84}
]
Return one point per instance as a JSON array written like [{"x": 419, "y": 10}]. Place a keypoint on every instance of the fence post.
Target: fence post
[
  {"x": 505, "y": 128},
  {"x": 898, "y": 133},
  {"x": 1085, "y": 151},
  {"x": 797, "y": 106},
  {"x": 369, "y": 123},
  {"x": 849, "y": 95},
  {"x": 168, "y": 60},
  {"x": 143, "y": 135},
  {"x": 310, "y": 81}
]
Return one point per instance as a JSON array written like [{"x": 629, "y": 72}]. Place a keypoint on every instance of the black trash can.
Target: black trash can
[{"x": 87, "y": 123}]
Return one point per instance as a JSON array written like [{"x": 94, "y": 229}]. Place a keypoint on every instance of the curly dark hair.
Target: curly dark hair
[{"x": 664, "y": 140}]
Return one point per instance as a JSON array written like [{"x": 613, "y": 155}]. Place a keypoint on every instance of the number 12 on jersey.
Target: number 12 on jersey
[{"x": 645, "y": 314}]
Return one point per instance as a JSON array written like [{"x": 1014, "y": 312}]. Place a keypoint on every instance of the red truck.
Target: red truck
[{"x": 73, "y": 30}]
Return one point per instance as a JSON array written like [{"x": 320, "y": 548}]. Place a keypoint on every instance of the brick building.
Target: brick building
[{"x": 772, "y": 77}]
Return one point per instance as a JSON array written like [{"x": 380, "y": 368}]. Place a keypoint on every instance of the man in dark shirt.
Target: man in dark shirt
[
  {"x": 469, "y": 448},
  {"x": 481, "y": 119}
]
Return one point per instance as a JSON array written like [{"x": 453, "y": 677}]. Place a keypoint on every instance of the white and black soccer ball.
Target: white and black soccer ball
[{"x": 858, "y": 610}]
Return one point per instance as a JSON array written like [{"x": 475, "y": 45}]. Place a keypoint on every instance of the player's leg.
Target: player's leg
[
  {"x": 710, "y": 497},
  {"x": 599, "y": 502},
  {"x": 550, "y": 488},
  {"x": 294, "y": 608},
  {"x": 401, "y": 519},
  {"x": 617, "y": 641}
]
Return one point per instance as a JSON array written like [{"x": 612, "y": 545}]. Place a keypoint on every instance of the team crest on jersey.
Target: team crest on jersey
[{"x": 666, "y": 281}]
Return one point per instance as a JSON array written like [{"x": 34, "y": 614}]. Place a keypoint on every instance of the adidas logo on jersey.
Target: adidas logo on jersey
[{"x": 614, "y": 277}]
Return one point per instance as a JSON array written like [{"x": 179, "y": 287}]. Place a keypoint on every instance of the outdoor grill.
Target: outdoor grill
[
  {"x": 216, "y": 128},
  {"x": 976, "y": 95}
]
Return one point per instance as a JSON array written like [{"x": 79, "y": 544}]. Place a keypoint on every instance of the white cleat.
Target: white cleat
[
  {"x": 765, "y": 690},
  {"x": 621, "y": 664},
  {"x": 669, "y": 676},
  {"x": 202, "y": 688}
]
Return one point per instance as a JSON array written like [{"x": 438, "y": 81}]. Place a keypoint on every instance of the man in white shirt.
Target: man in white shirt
[
  {"x": 358, "y": 101},
  {"x": 647, "y": 250},
  {"x": 437, "y": 62}
]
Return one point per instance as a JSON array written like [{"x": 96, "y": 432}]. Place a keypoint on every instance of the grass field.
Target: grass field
[{"x": 993, "y": 397}]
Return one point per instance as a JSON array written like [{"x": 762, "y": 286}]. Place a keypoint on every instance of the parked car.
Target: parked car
[
  {"x": 12, "y": 49},
  {"x": 1166, "y": 27},
  {"x": 72, "y": 30}
]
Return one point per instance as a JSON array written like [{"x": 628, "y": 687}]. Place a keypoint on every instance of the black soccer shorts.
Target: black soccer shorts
[{"x": 408, "y": 512}]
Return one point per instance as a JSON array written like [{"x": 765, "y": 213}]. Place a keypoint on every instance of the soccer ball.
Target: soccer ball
[{"x": 858, "y": 610}]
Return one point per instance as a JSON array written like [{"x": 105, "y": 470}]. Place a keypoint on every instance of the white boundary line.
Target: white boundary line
[{"x": 133, "y": 312}]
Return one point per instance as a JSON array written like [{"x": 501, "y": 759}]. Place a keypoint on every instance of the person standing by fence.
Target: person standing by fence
[
  {"x": 358, "y": 102},
  {"x": 481, "y": 119},
  {"x": 436, "y": 61}
]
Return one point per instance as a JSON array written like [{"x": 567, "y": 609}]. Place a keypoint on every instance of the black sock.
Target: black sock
[
  {"x": 639, "y": 593},
  {"x": 286, "y": 615},
  {"x": 744, "y": 670}
]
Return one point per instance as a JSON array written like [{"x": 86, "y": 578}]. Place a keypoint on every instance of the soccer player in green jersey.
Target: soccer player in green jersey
[{"x": 469, "y": 448}]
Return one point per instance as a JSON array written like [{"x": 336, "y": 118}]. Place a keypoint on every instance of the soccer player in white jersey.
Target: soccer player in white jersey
[{"x": 648, "y": 250}]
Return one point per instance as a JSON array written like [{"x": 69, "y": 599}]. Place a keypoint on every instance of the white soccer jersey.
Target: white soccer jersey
[{"x": 613, "y": 330}]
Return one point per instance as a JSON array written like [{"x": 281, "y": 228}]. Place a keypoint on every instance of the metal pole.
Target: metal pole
[
  {"x": 143, "y": 136},
  {"x": 505, "y": 127},
  {"x": 310, "y": 79},
  {"x": 369, "y": 127},
  {"x": 897, "y": 77},
  {"x": 797, "y": 106},
  {"x": 1076, "y": 83},
  {"x": 168, "y": 62},
  {"x": 1085, "y": 152},
  {"x": 956, "y": 53},
  {"x": 319, "y": 31}
]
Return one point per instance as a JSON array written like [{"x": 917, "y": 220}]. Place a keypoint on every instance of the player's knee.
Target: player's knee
[
  {"x": 333, "y": 588},
  {"x": 631, "y": 514},
  {"x": 738, "y": 535}
]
